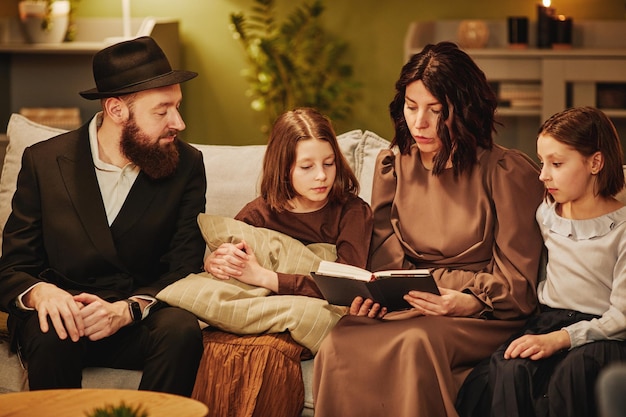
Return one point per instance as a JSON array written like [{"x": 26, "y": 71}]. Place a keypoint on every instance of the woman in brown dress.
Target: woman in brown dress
[{"x": 445, "y": 197}]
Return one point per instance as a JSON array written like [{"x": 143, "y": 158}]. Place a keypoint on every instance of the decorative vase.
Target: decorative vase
[
  {"x": 473, "y": 34},
  {"x": 44, "y": 21}
]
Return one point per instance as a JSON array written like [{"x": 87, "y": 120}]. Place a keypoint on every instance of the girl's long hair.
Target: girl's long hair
[{"x": 280, "y": 156}]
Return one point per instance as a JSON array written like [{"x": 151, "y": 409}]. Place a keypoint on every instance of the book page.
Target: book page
[{"x": 337, "y": 269}]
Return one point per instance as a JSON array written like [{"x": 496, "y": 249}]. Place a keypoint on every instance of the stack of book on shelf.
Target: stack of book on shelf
[
  {"x": 518, "y": 95},
  {"x": 60, "y": 117}
]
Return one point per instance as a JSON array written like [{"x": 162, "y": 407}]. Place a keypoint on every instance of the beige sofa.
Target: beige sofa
[{"x": 232, "y": 176}]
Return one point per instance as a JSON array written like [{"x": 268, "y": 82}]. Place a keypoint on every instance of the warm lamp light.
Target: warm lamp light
[
  {"x": 545, "y": 15},
  {"x": 562, "y": 32}
]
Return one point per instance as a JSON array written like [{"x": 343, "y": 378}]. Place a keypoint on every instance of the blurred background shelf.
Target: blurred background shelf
[
  {"x": 64, "y": 69},
  {"x": 591, "y": 73}
]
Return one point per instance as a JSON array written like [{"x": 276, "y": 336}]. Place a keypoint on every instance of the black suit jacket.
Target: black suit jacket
[{"x": 58, "y": 229}]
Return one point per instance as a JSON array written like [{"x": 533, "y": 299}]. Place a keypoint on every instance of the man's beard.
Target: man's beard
[{"x": 156, "y": 160}]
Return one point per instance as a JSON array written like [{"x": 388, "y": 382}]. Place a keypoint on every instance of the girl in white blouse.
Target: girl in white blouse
[{"x": 551, "y": 367}]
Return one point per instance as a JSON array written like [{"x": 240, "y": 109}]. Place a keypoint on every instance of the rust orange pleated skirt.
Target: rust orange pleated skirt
[{"x": 250, "y": 376}]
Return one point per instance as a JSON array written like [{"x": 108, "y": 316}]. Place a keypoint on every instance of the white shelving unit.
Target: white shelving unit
[{"x": 566, "y": 77}]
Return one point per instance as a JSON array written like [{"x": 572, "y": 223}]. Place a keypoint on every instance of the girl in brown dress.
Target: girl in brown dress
[
  {"x": 308, "y": 192},
  {"x": 445, "y": 197}
]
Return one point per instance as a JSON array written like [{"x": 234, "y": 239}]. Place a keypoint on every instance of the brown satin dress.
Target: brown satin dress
[{"x": 478, "y": 235}]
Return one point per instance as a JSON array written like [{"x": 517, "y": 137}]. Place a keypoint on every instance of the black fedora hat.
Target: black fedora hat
[{"x": 131, "y": 66}]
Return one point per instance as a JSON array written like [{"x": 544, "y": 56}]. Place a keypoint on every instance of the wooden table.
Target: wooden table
[{"x": 81, "y": 402}]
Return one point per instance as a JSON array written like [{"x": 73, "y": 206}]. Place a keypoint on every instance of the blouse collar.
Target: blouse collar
[{"x": 581, "y": 229}]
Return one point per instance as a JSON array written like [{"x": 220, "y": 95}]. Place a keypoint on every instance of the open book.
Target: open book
[{"x": 341, "y": 283}]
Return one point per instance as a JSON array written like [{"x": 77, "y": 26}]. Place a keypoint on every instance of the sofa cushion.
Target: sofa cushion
[
  {"x": 233, "y": 174},
  {"x": 349, "y": 143},
  {"x": 15, "y": 378},
  {"x": 273, "y": 250},
  {"x": 368, "y": 149},
  {"x": 21, "y": 133},
  {"x": 240, "y": 308},
  {"x": 307, "y": 378}
]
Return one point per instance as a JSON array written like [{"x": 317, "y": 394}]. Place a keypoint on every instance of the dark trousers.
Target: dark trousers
[
  {"x": 561, "y": 385},
  {"x": 166, "y": 345}
]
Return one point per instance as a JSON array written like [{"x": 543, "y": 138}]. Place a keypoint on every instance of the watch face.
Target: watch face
[{"x": 135, "y": 310}]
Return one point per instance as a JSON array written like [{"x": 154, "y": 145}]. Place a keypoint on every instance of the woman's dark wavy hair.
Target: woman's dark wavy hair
[
  {"x": 588, "y": 130},
  {"x": 290, "y": 128},
  {"x": 453, "y": 78}
]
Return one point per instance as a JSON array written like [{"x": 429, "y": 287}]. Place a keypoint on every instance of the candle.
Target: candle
[
  {"x": 561, "y": 32},
  {"x": 518, "y": 32},
  {"x": 126, "y": 17},
  {"x": 545, "y": 16}
]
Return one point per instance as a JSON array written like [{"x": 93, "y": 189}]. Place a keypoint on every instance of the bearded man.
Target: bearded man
[{"x": 103, "y": 218}]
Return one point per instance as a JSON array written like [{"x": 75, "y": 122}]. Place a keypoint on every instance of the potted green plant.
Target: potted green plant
[
  {"x": 294, "y": 63},
  {"x": 45, "y": 21},
  {"x": 122, "y": 410}
]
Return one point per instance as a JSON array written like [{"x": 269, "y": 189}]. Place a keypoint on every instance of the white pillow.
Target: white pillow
[
  {"x": 233, "y": 174},
  {"x": 21, "y": 133},
  {"x": 369, "y": 148},
  {"x": 349, "y": 143}
]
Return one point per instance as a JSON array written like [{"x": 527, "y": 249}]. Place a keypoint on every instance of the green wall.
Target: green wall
[{"x": 215, "y": 107}]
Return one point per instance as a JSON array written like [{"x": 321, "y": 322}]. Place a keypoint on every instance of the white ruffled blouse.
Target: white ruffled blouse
[{"x": 586, "y": 271}]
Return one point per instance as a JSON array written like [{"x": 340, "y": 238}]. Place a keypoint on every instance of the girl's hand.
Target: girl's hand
[
  {"x": 538, "y": 346},
  {"x": 449, "y": 303},
  {"x": 366, "y": 308},
  {"x": 227, "y": 261},
  {"x": 253, "y": 273}
]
